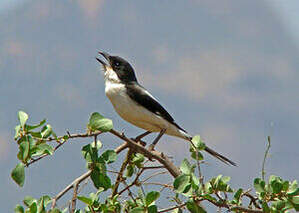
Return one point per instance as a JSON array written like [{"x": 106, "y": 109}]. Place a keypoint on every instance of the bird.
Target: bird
[{"x": 136, "y": 105}]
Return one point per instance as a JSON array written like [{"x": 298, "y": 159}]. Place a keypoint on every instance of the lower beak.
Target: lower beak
[
  {"x": 102, "y": 62},
  {"x": 106, "y": 56}
]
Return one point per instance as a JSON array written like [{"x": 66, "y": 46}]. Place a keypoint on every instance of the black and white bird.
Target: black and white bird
[{"x": 137, "y": 106}]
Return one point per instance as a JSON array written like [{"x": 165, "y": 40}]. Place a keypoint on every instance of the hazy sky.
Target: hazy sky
[{"x": 227, "y": 70}]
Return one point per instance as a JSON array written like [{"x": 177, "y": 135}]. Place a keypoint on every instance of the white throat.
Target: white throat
[{"x": 111, "y": 76}]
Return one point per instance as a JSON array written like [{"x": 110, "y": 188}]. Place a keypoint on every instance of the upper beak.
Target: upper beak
[{"x": 106, "y": 56}]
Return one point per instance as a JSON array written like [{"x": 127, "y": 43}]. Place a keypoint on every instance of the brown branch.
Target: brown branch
[
  {"x": 252, "y": 199},
  {"x": 164, "y": 160},
  {"x": 44, "y": 155},
  {"x": 172, "y": 208},
  {"x": 133, "y": 183},
  {"x": 130, "y": 192},
  {"x": 241, "y": 208},
  {"x": 77, "y": 181},
  {"x": 74, "y": 198},
  {"x": 121, "y": 148},
  {"x": 153, "y": 175},
  {"x": 61, "y": 143},
  {"x": 85, "y": 135},
  {"x": 154, "y": 167},
  {"x": 120, "y": 174}
]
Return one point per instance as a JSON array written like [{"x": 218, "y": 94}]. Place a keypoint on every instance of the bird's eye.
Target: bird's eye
[{"x": 117, "y": 64}]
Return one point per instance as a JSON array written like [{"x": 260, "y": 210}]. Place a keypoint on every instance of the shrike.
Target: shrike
[{"x": 137, "y": 106}]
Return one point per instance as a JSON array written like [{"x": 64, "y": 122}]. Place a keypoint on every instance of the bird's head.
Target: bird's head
[{"x": 117, "y": 69}]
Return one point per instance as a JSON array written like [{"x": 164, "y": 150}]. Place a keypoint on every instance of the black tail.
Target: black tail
[
  {"x": 220, "y": 157},
  {"x": 214, "y": 153}
]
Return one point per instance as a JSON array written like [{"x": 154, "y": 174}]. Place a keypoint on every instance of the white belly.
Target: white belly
[{"x": 134, "y": 113}]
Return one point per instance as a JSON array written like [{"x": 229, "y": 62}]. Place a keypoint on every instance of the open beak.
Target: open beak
[{"x": 106, "y": 56}]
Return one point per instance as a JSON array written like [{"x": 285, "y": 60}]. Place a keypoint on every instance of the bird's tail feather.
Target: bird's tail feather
[
  {"x": 215, "y": 154},
  {"x": 219, "y": 156}
]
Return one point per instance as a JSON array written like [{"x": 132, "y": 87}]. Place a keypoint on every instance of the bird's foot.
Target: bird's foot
[
  {"x": 139, "y": 141},
  {"x": 151, "y": 147}
]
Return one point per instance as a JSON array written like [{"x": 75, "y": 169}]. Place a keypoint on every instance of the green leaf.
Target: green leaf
[
  {"x": 265, "y": 207},
  {"x": 17, "y": 131},
  {"x": 43, "y": 149},
  {"x": 100, "y": 180},
  {"x": 285, "y": 185},
  {"x": 198, "y": 143},
  {"x": 194, "y": 208},
  {"x": 259, "y": 185},
  {"x": 23, "y": 117},
  {"x": 225, "y": 179},
  {"x": 85, "y": 200},
  {"x": 18, "y": 174},
  {"x": 208, "y": 188},
  {"x": 98, "y": 144},
  {"x": 129, "y": 171},
  {"x": 186, "y": 167},
  {"x": 30, "y": 127},
  {"x": 46, "y": 131},
  {"x": 151, "y": 197},
  {"x": 279, "y": 204},
  {"x": 41, "y": 207},
  {"x": 237, "y": 195},
  {"x": 46, "y": 199},
  {"x": 181, "y": 183},
  {"x": 28, "y": 200},
  {"x": 216, "y": 181},
  {"x": 196, "y": 155},
  {"x": 109, "y": 156},
  {"x": 55, "y": 211},
  {"x": 293, "y": 192},
  {"x": 89, "y": 153},
  {"x": 24, "y": 150},
  {"x": 138, "y": 159},
  {"x": 295, "y": 200},
  {"x": 137, "y": 210},
  {"x": 194, "y": 182},
  {"x": 293, "y": 189},
  {"x": 152, "y": 209},
  {"x": 36, "y": 134},
  {"x": 276, "y": 184},
  {"x": 33, "y": 208},
  {"x": 19, "y": 209},
  {"x": 98, "y": 122}
]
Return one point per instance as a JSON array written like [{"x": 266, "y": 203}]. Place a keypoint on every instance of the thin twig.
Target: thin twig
[
  {"x": 252, "y": 199},
  {"x": 153, "y": 175},
  {"x": 265, "y": 156},
  {"x": 133, "y": 183},
  {"x": 121, "y": 147},
  {"x": 172, "y": 208},
  {"x": 44, "y": 155},
  {"x": 121, "y": 171},
  {"x": 61, "y": 143},
  {"x": 74, "y": 198},
  {"x": 84, "y": 135},
  {"x": 154, "y": 167},
  {"x": 241, "y": 208},
  {"x": 70, "y": 186},
  {"x": 164, "y": 160}
]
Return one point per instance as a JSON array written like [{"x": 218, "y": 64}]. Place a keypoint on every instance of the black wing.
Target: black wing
[{"x": 138, "y": 94}]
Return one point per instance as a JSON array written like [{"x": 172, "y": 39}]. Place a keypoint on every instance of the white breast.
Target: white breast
[{"x": 132, "y": 112}]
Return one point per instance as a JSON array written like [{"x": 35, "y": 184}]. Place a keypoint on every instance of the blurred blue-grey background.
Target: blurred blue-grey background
[{"x": 227, "y": 70}]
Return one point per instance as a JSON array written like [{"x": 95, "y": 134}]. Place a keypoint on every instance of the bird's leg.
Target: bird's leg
[
  {"x": 138, "y": 138},
  {"x": 152, "y": 146},
  {"x": 142, "y": 135}
]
